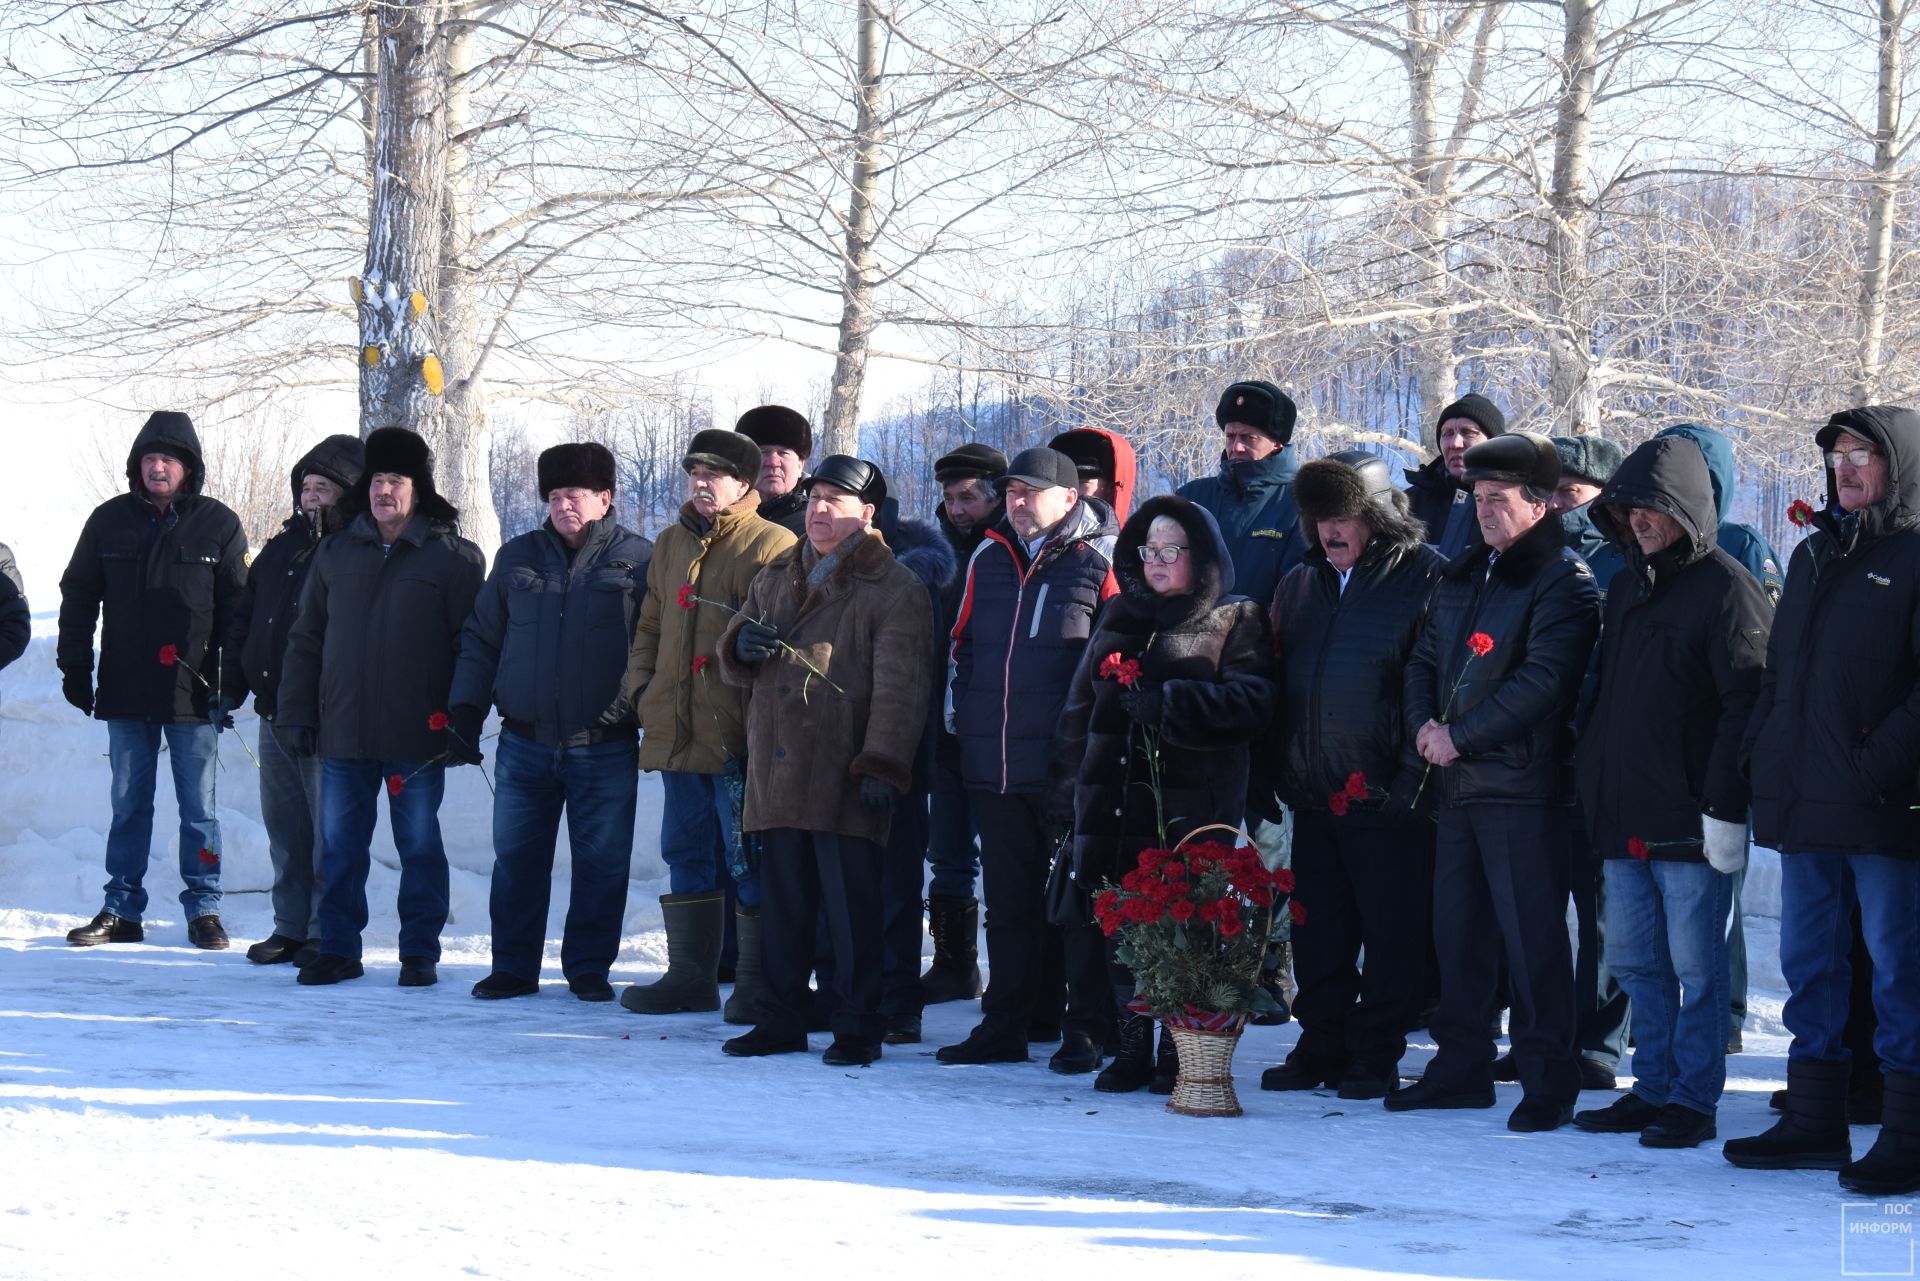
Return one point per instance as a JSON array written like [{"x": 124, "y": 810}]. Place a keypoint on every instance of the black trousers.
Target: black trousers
[
  {"x": 902, "y": 912},
  {"x": 1601, "y": 1009},
  {"x": 1501, "y": 884},
  {"x": 1366, "y": 884},
  {"x": 1025, "y": 987},
  {"x": 803, "y": 876}
]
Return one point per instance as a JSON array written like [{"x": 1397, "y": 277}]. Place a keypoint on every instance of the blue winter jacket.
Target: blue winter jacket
[
  {"x": 1019, "y": 635},
  {"x": 1742, "y": 542},
  {"x": 1253, "y": 505}
]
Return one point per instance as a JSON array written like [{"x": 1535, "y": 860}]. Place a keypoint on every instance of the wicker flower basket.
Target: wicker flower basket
[{"x": 1205, "y": 1084}]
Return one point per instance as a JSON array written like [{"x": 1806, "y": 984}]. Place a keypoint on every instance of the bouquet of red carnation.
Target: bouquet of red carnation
[{"x": 1193, "y": 923}]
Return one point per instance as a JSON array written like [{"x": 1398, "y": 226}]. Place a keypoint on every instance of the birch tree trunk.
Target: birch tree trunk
[
  {"x": 1573, "y": 395},
  {"x": 1435, "y": 361},
  {"x": 1876, "y": 269},
  {"x": 841, "y": 428}
]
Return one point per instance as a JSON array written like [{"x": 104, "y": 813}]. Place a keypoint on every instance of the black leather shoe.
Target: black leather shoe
[
  {"x": 275, "y": 949},
  {"x": 499, "y": 986},
  {"x": 418, "y": 971},
  {"x": 845, "y": 1053},
  {"x": 591, "y": 987},
  {"x": 1537, "y": 1116},
  {"x": 1628, "y": 1114},
  {"x": 982, "y": 1046},
  {"x": 1076, "y": 1056},
  {"x": 1423, "y": 1094},
  {"x": 1595, "y": 1075},
  {"x": 902, "y": 1029},
  {"x": 106, "y": 928},
  {"x": 207, "y": 932},
  {"x": 1678, "y": 1126},
  {"x": 328, "y": 969},
  {"x": 758, "y": 1043},
  {"x": 309, "y": 953},
  {"x": 1304, "y": 1074}
]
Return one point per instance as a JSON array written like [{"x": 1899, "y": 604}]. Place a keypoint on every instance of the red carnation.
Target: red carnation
[
  {"x": 1110, "y": 925},
  {"x": 1357, "y": 786},
  {"x": 1800, "y": 513},
  {"x": 1210, "y": 910},
  {"x": 1125, "y": 670},
  {"x": 1481, "y": 644},
  {"x": 394, "y": 784},
  {"x": 1282, "y": 879},
  {"x": 700, "y": 663},
  {"x": 1260, "y": 896},
  {"x": 1182, "y": 910},
  {"x": 1297, "y": 910},
  {"x": 1337, "y": 802},
  {"x": 208, "y": 856},
  {"x": 1174, "y": 870},
  {"x": 437, "y": 722},
  {"x": 169, "y": 655},
  {"x": 685, "y": 597},
  {"x": 1230, "y": 924},
  {"x": 1131, "y": 881},
  {"x": 1637, "y": 848},
  {"x": 1107, "y": 903}
]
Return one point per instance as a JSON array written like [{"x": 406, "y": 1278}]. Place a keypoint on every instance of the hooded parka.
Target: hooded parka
[
  {"x": 1681, "y": 651},
  {"x": 178, "y": 579},
  {"x": 1833, "y": 747}
]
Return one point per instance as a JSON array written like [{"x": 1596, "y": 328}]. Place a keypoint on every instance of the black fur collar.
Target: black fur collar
[{"x": 1530, "y": 553}]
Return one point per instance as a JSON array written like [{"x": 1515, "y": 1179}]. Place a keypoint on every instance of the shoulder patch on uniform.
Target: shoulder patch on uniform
[
  {"x": 1769, "y": 566},
  {"x": 1271, "y": 533}
]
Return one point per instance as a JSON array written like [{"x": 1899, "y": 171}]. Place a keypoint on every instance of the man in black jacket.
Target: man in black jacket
[
  {"x": 1344, "y": 625},
  {"x": 289, "y": 784},
  {"x": 1661, "y": 791},
  {"x": 1833, "y": 750},
  {"x": 167, "y": 568},
  {"x": 547, "y": 643},
  {"x": 368, "y": 667},
  {"x": 969, "y": 507},
  {"x": 1490, "y": 695},
  {"x": 1442, "y": 499},
  {"x": 785, "y": 438}
]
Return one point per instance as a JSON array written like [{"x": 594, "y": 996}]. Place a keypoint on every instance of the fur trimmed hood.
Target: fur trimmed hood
[{"x": 1212, "y": 565}]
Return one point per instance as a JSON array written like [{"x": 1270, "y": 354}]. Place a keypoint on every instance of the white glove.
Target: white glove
[{"x": 1726, "y": 844}]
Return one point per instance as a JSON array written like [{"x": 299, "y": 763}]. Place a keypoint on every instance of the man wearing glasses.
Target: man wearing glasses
[{"x": 1833, "y": 750}]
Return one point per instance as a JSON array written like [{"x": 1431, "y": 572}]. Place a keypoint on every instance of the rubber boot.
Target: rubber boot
[
  {"x": 1812, "y": 1133},
  {"x": 746, "y": 967},
  {"x": 1892, "y": 1166},
  {"x": 1132, "y": 1066},
  {"x": 695, "y": 925},
  {"x": 955, "y": 972}
]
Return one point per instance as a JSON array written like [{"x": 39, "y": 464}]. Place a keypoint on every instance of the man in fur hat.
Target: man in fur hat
[
  {"x": 1442, "y": 499},
  {"x": 1251, "y": 497},
  {"x": 548, "y": 645},
  {"x": 1488, "y": 704},
  {"x": 166, "y": 567},
  {"x": 289, "y": 784},
  {"x": 1345, "y": 621},
  {"x": 375, "y": 644},
  {"x": 785, "y": 438}
]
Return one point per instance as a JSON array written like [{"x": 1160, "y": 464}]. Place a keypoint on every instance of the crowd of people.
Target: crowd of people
[{"x": 1545, "y": 672}]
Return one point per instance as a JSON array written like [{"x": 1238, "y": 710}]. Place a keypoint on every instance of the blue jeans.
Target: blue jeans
[
  {"x": 1667, "y": 946},
  {"x": 596, "y": 787},
  {"x": 953, "y": 853},
  {"x": 133, "y": 748},
  {"x": 349, "y": 803},
  {"x": 1817, "y": 894},
  {"x": 695, "y": 826}
]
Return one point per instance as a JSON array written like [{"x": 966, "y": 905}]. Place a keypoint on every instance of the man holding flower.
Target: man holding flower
[{"x": 1489, "y": 701}]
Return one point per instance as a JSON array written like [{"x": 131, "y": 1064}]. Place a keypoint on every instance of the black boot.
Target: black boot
[
  {"x": 1077, "y": 1055},
  {"x": 696, "y": 924},
  {"x": 1812, "y": 1133},
  {"x": 1166, "y": 1064},
  {"x": 747, "y": 980},
  {"x": 1132, "y": 1065},
  {"x": 106, "y": 928},
  {"x": 954, "y": 975},
  {"x": 275, "y": 949},
  {"x": 1891, "y": 1166}
]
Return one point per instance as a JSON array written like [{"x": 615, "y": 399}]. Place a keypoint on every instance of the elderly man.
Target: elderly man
[
  {"x": 1441, "y": 496},
  {"x": 1251, "y": 496},
  {"x": 369, "y": 664},
  {"x": 548, "y": 644},
  {"x": 289, "y": 784},
  {"x": 969, "y": 507},
  {"x": 838, "y": 613},
  {"x": 785, "y": 438},
  {"x": 1026, "y": 611},
  {"x": 694, "y": 724},
  {"x": 1834, "y": 752},
  {"x": 1661, "y": 789},
  {"x": 167, "y": 568},
  {"x": 1344, "y": 622},
  {"x": 1489, "y": 702}
]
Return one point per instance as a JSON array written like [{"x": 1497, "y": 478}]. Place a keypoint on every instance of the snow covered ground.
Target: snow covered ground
[{"x": 167, "y": 1113}]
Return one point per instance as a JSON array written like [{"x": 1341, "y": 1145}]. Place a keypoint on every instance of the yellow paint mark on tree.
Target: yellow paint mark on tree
[
  {"x": 418, "y": 302},
  {"x": 353, "y": 287},
  {"x": 430, "y": 370},
  {"x": 371, "y": 355}
]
